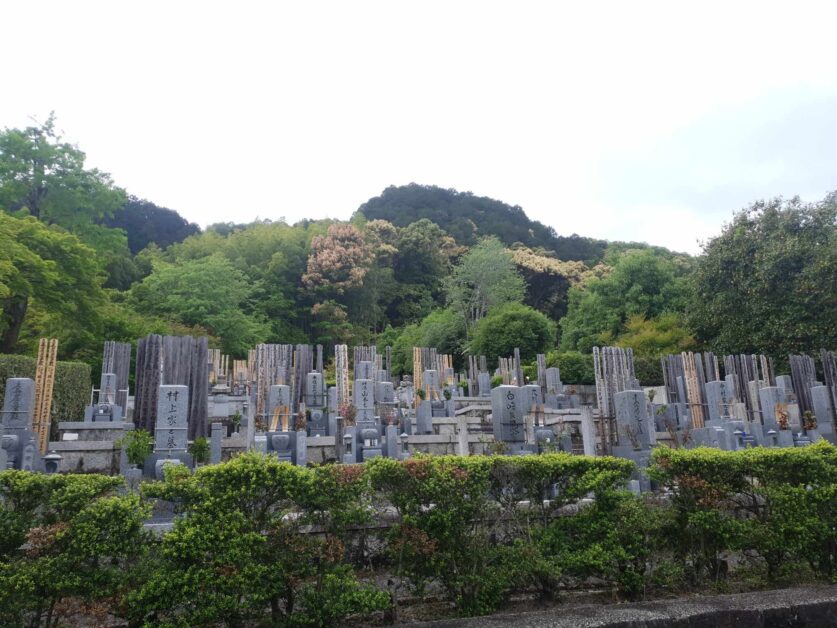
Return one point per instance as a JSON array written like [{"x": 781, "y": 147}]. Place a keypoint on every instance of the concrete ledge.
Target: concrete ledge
[
  {"x": 82, "y": 445},
  {"x": 800, "y": 606},
  {"x": 72, "y": 426}
]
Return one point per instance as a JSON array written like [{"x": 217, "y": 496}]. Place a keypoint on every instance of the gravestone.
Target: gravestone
[
  {"x": 769, "y": 400},
  {"x": 365, "y": 370},
  {"x": 215, "y": 440},
  {"x": 508, "y": 413},
  {"x": 288, "y": 446},
  {"x": 332, "y": 411},
  {"x": 393, "y": 445},
  {"x": 718, "y": 400},
  {"x": 384, "y": 392},
  {"x": 106, "y": 409},
  {"x": 424, "y": 418},
  {"x": 171, "y": 431},
  {"x": 731, "y": 390},
  {"x": 363, "y": 396},
  {"x": 823, "y": 411},
  {"x": 18, "y": 440},
  {"x": 785, "y": 382},
  {"x": 18, "y": 405},
  {"x": 636, "y": 431},
  {"x": 484, "y": 384},
  {"x": 278, "y": 408},
  {"x": 108, "y": 388},
  {"x": 632, "y": 421},
  {"x": 531, "y": 398},
  {"x": 588, "y": 431},
  {"x": 554, "y": 386},
  {"x": 430, "y": 381},
  {"x": 315, "y": 392}
]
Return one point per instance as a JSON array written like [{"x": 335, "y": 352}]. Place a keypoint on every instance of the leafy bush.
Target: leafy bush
[
  {"x": 512, "y": 326},
  {"x": 261, "y": 541},
  {"x": 461, "y": 523},
  {"x": 78, "y": 539},
  {"x": 138, "y": 445},
  {"x": 240, "y": 545},
  {"x": 649, "y": 370},
  {"x": 199, "y": 450},
  {"x": 775, "y": 504},
  {"x": 575, "y": 367}
]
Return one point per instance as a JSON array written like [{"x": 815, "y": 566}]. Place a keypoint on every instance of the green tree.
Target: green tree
[
  {"x": 513, "y": 326},
  {"x": 485, "y": 278},
  {"x": 207, "y": 292},
  {"x": 43, "y": 176},
  {"x": 442, "y": 329},
  {"x": 656, "y": 337},
  {"x": 768, "y": 282},
  {"x": 641, "y": 283},
  {"x": 548, "y": 280},
  {"x": 50, "y": 268}
]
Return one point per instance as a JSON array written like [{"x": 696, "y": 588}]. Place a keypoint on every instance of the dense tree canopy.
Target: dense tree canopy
[
  {"x": 513, "y": 326},
  {"x": 415, "y": 266},
  {"x": 640, "y": 284},
  {"x": 47, "y": 268},
  {"x": 485, "y": 278},
  {"x": 144, "y": 223},
  {"x": 208, "y": 292},
  {"x": 467, "y": 218},
  {"x": 768, "y": 282}
]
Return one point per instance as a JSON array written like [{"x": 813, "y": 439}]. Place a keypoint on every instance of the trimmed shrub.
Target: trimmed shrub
[
  {"x": 64, "y": 536},
  {"x": 264, "y": 542},
  {"x": 70, "y": 393},
  {"x": 775, "y": 504},
  {"x": 575, "y": 367},
  {"x": 462, "y": 522}
]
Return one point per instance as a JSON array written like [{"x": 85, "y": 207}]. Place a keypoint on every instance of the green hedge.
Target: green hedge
[
  {"x": 779, "y": 505},
  {"x": 575, "y": 367},
  {"x": 70, "y": 393},
  {"x": 478, "y": 529}
]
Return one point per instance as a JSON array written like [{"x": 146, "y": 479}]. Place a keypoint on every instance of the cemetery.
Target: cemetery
[{"x": 472, "y": 488}]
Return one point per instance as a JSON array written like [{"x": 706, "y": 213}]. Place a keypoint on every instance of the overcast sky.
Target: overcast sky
[{"x": 631, "y": 120}]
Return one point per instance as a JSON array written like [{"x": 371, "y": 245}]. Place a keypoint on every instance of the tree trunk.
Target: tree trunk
[{"x": 14, "y": 312}]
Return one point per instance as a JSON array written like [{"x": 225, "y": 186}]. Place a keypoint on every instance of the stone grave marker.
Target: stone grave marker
[
  {"x": 554, "y": 386},
  {"x": 823, "y": 412},
  {"x": 484, "y": 384},
  {"x": 365, "y": 370},
  {"x": 315, "y": 392},
  {"x": 508, "y": 412}
]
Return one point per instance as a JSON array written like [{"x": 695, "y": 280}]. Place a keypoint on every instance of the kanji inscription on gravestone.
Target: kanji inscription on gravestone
[
  {"x": 507, "y": 412},
  {"x": 18, "y": 404},
  {"x": 172, "y": 415},
  {"x": 315, "y": 394},
  {"x": 632, "y": 418}
]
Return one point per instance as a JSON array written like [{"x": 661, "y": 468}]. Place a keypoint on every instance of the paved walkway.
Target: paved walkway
[{"x": 803, "y": 606}]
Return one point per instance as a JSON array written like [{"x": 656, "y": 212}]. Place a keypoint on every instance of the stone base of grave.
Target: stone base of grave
[
  {"x": 150, "y": 468},
  {"x": 87, "y": 456},
  {"x": 133, "y": 477},
  {"x": 89, "y": 446},
  {"x": 93, "y": 430}
]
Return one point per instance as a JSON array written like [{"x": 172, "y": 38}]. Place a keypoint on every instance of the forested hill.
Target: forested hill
[
  {"x": 467, "y": 217},
  {"x": 418, "y": 266},
  {"x": 144, "y": 223}
]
